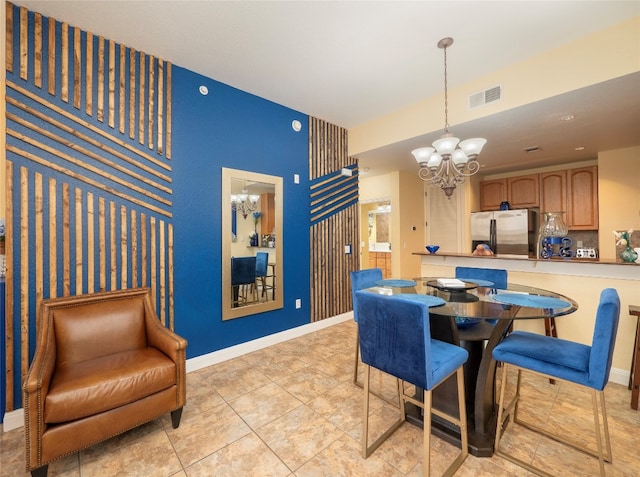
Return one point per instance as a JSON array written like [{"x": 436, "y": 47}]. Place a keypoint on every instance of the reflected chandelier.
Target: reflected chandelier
[
  {"x": 245, "y": 203},
  {"x": 449, "y": 161}
]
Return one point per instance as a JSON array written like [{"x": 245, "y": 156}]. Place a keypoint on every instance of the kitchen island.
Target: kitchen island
[{"x": 583, "y": 280}]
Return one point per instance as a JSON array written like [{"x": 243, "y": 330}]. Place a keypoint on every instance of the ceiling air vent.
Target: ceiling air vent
[{"x": 487, "y": 96}]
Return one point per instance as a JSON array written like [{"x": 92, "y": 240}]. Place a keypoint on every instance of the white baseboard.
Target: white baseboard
[
  {"x": 231, "y": 352},
  {"x": 15, "y": 419}
]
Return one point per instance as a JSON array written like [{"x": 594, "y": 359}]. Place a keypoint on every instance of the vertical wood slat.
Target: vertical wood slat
[
  {"x": 123, "y": 247},
  {"x": 51, "y": 53},
  {"x": 91, "y": 240},
  {"x": 9, "y": 290},
  {"x": 134, "y": 248},
  {"x": 24, "y": 277},
  {"x": 53, "y": 239},
  {"x": 169, "y": 99},
  {"x": 79, "y": 241},
  {"x": 159, "y": 120},
  {"x": 24, "y": 44},
  {"x": 132, "y": 93},
  {"x": 66, "y": 242},
  {"x": 112, "y": 245},
  {"x": 39, "y": 238},
  {"x": 121, "y": 95},
  {"x": 37, "y": 50},
  {"x": 9, "y": 37},
  {"x": 77, "y": 68},
  {"x": 170, "y": 276},
  {"x": 153, "y": 259},
  {"x": 100, "y": 105},
  {"x": 102, "y": 241},
  {"x": 141, "y": 85},
  {"x": 162, "y": 274},
  {"x": 143, "y": 253},
  {"x": 151, "y": 99},
  {"x": 64, "y": 70},
  {"x": 112, "y": 84},
  {"x": 88, "y": 108}
]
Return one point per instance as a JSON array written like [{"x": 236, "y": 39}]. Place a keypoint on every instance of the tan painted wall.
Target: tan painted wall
[
  {"x": 618, "y": 196},
  {"x": 577, "y": 64}
]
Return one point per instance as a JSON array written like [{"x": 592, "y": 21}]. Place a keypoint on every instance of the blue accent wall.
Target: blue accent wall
[{"x": 234, "y": 129}]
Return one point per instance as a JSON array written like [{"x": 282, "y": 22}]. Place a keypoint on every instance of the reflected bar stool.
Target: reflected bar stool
[
  {"x": 395, "y": 338},
  {"x": 587, "y": 366},
  {"x": 243, "y": 275},
  {"x": 361, "y": 279}
]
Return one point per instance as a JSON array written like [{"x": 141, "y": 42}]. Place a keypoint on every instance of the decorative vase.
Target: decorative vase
[
  {"x": 550, "y": 235},
  {"x": 629, "y": 255}
]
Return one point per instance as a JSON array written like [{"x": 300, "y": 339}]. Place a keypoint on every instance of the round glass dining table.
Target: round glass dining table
[{"x": 476, "y": 315}]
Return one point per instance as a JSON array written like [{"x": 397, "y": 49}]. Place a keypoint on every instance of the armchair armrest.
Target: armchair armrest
[{"x": 161, "y": 337}]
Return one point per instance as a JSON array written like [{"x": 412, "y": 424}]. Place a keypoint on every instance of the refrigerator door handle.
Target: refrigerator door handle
[{"x": 492, "y": 235}]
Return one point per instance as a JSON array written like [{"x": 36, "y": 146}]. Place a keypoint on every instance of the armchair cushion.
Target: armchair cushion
[{"x": 91, "y": 387}]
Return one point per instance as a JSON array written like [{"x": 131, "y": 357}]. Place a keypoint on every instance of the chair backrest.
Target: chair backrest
[
  {"x": 262, "y": 259},
  {"x": 395, "y": 337},
  {"x": 496, "y": 275},
  {"x": 361, "y": 279},
  {"x": 604, "y": 338},
  {"x": 243, "y": 270},
  {"x": 90, "y": 326}
]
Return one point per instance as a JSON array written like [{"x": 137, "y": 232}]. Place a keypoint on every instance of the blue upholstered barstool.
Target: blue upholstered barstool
[
  {"x": 395, "y": 338},
  {"x": 486, "y": 277},
  {"x": 361, "y": 279},
  {"x": 243, "y": 273},
  {"x": 262, "y": 261},
  {"x": 587, "y": 366}
]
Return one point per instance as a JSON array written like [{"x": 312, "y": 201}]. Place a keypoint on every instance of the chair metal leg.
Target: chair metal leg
[
  {"x": 395, "y": 403},
  {"x": 366, "y": 448},
  {"x": 504, "y": 411}
]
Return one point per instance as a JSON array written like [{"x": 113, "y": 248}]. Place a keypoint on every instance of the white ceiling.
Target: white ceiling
[{"x": 349, "y": 62}]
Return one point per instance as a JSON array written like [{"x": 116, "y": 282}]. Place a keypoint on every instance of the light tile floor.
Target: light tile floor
[{"x": 292, "y": 410}]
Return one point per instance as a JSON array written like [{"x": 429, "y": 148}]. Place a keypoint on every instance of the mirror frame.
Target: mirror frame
[{"x": 228, "y": 312}]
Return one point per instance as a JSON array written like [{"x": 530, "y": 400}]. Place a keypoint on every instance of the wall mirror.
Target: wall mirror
[{"x": 252, "y": 271}]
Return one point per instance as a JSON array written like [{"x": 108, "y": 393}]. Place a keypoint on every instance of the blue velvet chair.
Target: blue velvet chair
[
  {"x": 262, "y": 261},
  {"x": 497, "y": 276},
  {"x": 395, "y": 338},
  {"x": 585, "y": 365},
  {"x": 361, "y": 279},
  {"x": 243, "y": 275}
]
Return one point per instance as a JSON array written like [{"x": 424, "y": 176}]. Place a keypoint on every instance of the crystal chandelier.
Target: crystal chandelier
[
  {"x": 449, "y": 161},
  {"x": 245, "y": 203}
]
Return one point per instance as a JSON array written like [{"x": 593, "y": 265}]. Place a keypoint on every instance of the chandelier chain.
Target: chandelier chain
[{"x": 446, "y": 95}]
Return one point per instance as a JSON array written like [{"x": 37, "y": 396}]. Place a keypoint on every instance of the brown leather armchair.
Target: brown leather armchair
[{"x": 103, "y": 364}]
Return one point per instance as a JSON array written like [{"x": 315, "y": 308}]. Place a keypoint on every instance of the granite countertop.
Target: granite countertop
[{"x": 520, "y": 257}]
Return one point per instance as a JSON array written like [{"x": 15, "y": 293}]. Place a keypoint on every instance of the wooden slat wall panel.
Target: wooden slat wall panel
[
  {"x": 83, "y": 214},
  {"x": 116, "y": 77},
  {"x": 334, "y": 220}
]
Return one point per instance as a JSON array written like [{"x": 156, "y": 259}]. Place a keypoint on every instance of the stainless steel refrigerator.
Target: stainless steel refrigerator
[{"x": 506, "y": 232}]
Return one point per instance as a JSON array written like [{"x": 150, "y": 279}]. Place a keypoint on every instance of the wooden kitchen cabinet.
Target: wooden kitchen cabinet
[
  {"x": 573, "y": 191},
  {"x": 523, "y": 192},
  {"x": 268, "y": 209},
  {"x": 492, "y": 193},
  {"x": 553, "y": 192},
  {"x": 582, "y": 198}
]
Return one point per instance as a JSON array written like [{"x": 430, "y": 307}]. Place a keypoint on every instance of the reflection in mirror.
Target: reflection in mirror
[{"x": 252, "y": 272}]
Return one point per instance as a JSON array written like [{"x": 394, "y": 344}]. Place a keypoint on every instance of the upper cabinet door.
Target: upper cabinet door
[
  {"x": 582, "y": 202},
  {"x": 492, "y": 193},
  {"x": 523, "y": 192},
  {"x": 553, "y": 192}
]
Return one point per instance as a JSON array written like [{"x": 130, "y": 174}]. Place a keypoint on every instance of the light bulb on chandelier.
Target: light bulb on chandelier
[{"x": 449, "y": 161}]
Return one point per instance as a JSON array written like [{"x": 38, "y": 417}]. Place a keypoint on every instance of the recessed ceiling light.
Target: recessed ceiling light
[{"x": 567, "y": 117}]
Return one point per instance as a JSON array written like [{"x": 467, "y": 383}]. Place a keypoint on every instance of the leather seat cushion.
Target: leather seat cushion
[{"x": 91, "y": 387}]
